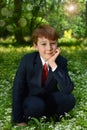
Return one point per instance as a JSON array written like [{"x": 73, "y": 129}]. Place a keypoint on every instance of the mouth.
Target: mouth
[{"x": 49, "y": 53}]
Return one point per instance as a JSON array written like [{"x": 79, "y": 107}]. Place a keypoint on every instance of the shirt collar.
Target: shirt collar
[{"x": 43, "y": 62}]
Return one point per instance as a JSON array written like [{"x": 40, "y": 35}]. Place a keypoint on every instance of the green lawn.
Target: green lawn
[{"x": 10, "y": 57}]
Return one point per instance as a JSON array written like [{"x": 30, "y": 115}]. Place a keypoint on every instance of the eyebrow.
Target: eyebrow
[
  {"x": 53, "y": 42},
  {"x": 42, "y": 41},
  {"x": 47, "y": 41}
]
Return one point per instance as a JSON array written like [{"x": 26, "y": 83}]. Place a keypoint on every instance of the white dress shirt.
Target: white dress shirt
[{"x": 43, "y": 62}]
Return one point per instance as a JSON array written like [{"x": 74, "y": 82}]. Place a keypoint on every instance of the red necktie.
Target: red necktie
[{"x": 44, "y": 74}]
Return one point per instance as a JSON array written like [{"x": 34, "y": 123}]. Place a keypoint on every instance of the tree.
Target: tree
[
  {"x": 20, "y": 13},
  {"x": 20, "y": 18},
  {"x": 16, "y": 16}
]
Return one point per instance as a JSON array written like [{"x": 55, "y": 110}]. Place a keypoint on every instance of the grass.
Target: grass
[{"x": 10, "y": 57}]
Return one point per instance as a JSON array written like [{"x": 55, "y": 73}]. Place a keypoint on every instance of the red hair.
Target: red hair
[{"x": 44, "y": 31}]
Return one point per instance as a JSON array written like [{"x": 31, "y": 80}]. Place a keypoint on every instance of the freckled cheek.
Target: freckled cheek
[{"x": 55, "y": 47}]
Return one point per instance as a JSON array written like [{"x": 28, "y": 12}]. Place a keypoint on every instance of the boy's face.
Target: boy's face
[{"x": 46, "y": 47}]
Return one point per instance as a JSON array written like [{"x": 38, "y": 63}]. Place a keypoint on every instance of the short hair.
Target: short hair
[{"x": 44, "y": 31}]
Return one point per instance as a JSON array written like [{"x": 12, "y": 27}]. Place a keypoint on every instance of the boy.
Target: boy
[{"x": 42, "y": 85}]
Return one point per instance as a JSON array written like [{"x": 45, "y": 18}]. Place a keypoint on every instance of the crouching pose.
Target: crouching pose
[{"x": 42, "y": 85}]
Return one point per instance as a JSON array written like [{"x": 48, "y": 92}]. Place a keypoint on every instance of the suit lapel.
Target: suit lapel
[
  {"x": 38, "y": 70},
  {"x": 50, "y": 76}
]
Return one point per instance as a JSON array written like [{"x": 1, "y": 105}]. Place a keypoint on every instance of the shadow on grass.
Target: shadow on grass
[{"x": 15, "y": 44}]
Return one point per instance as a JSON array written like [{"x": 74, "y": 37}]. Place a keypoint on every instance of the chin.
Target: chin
[{"x": 47, "y": 58}]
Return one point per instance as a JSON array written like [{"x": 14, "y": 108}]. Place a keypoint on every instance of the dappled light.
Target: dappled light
[{"x": 71, "y": 8}]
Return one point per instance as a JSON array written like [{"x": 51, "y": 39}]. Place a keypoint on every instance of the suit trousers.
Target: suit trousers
[{"x": 55, "y": 103}]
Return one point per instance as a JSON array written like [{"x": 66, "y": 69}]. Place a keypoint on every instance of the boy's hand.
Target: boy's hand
[{"x": 52, "y": 59}]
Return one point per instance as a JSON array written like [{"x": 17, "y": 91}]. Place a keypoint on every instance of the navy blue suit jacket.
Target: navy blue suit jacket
[{"x": 27, "y": 81}]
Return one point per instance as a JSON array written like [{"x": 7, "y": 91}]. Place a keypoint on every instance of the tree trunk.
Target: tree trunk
[
  {"x": 35, "y": 12},
  {"x": 16, "y": 17},
  {"x": 2, "y": 3}
]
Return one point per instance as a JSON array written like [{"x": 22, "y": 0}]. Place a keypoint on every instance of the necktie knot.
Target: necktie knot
[{"x": 44, "y": 73}]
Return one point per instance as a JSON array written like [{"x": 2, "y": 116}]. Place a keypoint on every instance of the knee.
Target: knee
[
  {"x": 69, "y": 103},
  {"x": 34, "y": 107},
  {"x": 63, "y": 100},
  {"x": 72, "y": 100}
]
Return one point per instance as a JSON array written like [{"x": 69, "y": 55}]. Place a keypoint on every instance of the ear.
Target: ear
[{"x": 35, "y": 46}]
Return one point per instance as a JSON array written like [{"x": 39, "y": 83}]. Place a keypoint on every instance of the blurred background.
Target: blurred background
[{"x": 18, "y": 19}]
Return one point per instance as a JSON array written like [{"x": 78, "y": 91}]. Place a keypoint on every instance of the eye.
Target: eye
[
  {"x": 53, "y": 43},
  {"x": 43, "y": 44}
]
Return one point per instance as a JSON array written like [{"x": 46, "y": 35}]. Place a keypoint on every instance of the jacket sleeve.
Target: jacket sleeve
[
  {"x": 65, "y": 84},
  {"x": 18, "y": 93}
]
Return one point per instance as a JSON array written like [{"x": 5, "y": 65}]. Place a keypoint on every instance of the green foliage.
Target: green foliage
[
  {"x": 69, "y": 40},
  {"x": 63, "y": 20},
  {"x": 21, "y": 18},
  {"x": 10, "y": 57}
]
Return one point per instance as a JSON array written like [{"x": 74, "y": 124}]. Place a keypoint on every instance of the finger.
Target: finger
[{"x": 58, "y": 50}]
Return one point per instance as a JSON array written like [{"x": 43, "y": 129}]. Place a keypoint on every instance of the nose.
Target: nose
[{"x": 49, "y": 47}]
